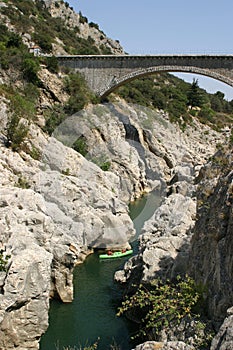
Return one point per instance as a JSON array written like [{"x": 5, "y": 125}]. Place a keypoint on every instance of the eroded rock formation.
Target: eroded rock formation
[
  {"x": 68, "y": 203},
  {"x": 46, "y": 229},
  {"x": 211, "y": 254}
]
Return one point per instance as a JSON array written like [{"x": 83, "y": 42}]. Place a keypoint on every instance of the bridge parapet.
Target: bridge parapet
[{"x": 104, "y": 73}]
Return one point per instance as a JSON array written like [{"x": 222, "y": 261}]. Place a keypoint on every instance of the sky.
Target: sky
[{"x": 167, "y": 27}]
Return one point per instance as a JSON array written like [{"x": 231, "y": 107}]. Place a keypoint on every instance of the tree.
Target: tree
[
  {"x": 14, "y": 40},
  {"x": 30, "y": 68},
  {"x": 217, "y": 101},
  {"x": 16, "y": 132},
  {"x": 80, "y": 94},
  {"x": 52, "y": 64},
  {"x": 194, "y": 95},
  {"x": 44, "y": 40}
]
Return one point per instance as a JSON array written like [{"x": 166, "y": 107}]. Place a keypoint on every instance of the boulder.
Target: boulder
[{"x": 165, "y": 240}]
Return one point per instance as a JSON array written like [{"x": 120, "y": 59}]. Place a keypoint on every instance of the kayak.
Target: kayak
[{"x": 117, "y": 254}]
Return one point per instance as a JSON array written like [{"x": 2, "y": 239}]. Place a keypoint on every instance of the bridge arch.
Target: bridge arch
[{"x": 140, "y": 73}]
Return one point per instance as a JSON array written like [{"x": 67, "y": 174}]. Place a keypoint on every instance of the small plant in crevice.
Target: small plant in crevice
[
  {"x": 102, "y": 162},
  {"x": 80, "y": 145},
  {"x": 105, "y": 166},
  {"x": 3, "y": 261},
  {"x": 22, "y": 183},
  {"x": 35, "y": 153},
  {"x": 66, "y": 172}
]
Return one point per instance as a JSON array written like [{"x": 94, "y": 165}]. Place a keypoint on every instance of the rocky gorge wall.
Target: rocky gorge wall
[
  {"x": 46, "y": 229},
  {"x": 208, "y": 253},
  {"x": 213, "y": 229},
  {"x": 191, "y": 233},
  {"x": 56, "y": 209},
  {"x": 53, "y": 210},
  {"x": 211, "y": 245}
]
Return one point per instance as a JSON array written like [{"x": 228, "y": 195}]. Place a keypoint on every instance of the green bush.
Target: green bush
[
  {"x": 11, "y": 48},
  {"x": 105, "y": 50},
  {"x": 23, "y": 102},
  {"x": 30, "y": 67},
  {"x": 76, "y": 103},
  {"x": 206, "y": 115},
  {"x": 53, "y": 118},
  {"x": 52, "y": 64},
  {"x": 158, "y": 100},
  {"x": 35, "y": 153},
  {"x": 94, "y": 25},
  {"x": 13, "y": 53},
  {"x": 82, "y": 19},
  {"x": 102, "y": 162},
  {"x": 44, "y": 40},
  {"x": 14, "y": 40},
  {"x": 80, "y": 145},
  {"x": 195, "y": 97},
  {"x": 162, "y": 304},
  {"x": 80, "y": 94},
  {"x": 176, "y": 109},
  {"x": 16, "y": 133},
  {"x": 105, "y": 166}
]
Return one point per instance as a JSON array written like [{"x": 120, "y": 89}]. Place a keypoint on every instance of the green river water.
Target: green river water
[{"x": 92, "y": 316}]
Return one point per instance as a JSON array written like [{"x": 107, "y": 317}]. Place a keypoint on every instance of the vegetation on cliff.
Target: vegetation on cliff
[
  {"x": 3, "y": 261},
  {"x": 160, "y": 306},
  {"x": 34, "y": 18},
  {"x": 24, "y": 87},
  {"x": 23, "y": 67},
  {"x": 163, "y": 91},
  {"x": 180, "y": 99}
]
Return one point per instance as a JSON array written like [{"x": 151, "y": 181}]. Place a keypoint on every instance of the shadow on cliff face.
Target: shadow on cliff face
[
  {"x": 136, "y": 136},
  {"x": 211, "y": 254}
]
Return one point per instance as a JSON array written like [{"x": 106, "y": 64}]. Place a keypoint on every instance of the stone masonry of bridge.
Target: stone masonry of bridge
[{"x": 104, "y": 73}]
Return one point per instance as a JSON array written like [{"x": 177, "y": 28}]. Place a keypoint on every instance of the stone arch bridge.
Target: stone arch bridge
[{"x": 104, "y": 73}]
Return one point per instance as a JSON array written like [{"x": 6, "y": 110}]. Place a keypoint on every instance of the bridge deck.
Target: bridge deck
[{"x": 104, "y": 73}]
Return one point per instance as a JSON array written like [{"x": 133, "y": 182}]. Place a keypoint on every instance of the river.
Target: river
[{"x": 91, "y": 317}]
